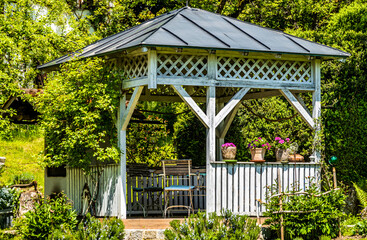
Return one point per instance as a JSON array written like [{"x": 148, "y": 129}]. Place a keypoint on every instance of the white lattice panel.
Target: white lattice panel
[
  {"x": 135, "y": 67},
  {"x": 182, "y": 65},
  {"x": 263, "y": 69}
]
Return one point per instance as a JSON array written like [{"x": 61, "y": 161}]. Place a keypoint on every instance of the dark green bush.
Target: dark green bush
[
  {"x": 228, "y": 226},
  {"x": 90, "y": 229},
  {"x": 319, "y": 215},
  {"x": 8, "y": 198},
  {"x": 45, "y": 217}
]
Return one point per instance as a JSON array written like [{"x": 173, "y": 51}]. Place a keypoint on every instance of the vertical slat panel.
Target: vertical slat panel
[
  {"x": 302, "y": 177},
  {"x": 263, "y": 184},
  {"x": 291, "y": 177},
  {"x": 224, "y": 188},
  {"x": 236, "y": 190},
  {"x": 246, "y": 179},
  {"x": 218, "y": 184},
  {"x": 307, "y": 176},
  {"x": 241, "y": 187},
  {"x": 230, "y": 187},
  {"x": 258, "y": 186},
  {"x": 285, "y": 177},
  {"x": 252, "y": 188}
]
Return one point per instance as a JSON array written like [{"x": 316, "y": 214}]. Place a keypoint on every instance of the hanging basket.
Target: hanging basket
[
  {"x": 281, "y": 155},
  {"x": 258, "y": 154},
  {"x": 229, "y": 153}
]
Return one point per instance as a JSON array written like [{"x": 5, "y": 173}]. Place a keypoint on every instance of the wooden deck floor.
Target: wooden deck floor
[
  {"x": 148, "y": 223},
  {"x": 156, "y": 223}
]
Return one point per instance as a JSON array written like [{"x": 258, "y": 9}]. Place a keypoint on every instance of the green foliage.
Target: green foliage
[
  {"x": 190, "y": 137},
  {"x": 23, "y": 178},
  {"x": 45, "y": 217},
  {"x": 268, "y": 118},
  {"x": 348, "y": 225},
  {"x": 149, "y": 143},
  {"x": 90, "y": 229},
  {"x": 78, "y": 114},
  {"x": 360, "y": 228},
  {"x": 322, "y": 212},
  {"x": 325, "y": 237},
  {"x": 8, "y": 198},
  {"x": 361, "y": 195},
  {"x": 22, "y": 156},
  {"x": 228, "y": 226}
]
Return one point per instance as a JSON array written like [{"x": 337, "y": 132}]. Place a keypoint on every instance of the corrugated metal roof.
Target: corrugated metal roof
[{"x": 195, "y": 28}]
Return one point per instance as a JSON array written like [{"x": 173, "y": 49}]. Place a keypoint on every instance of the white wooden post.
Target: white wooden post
[
  {"x": 316, "y": 103},
  {"x": 124, "y": 116},
  {"x": 210, "y": 150},
  {"x": 121, "y": 134}
]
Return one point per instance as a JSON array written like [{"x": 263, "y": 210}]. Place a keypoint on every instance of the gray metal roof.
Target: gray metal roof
[{"x": 195, "y": 28}]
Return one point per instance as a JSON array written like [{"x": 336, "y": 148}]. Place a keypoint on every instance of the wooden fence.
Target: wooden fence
[{"x": 237, "y": 186}]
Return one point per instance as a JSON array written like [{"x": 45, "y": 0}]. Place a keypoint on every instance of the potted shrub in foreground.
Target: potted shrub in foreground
[{"x": 258, "y": 149}]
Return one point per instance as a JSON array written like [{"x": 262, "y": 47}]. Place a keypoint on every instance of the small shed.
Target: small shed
[{"x": 194, "y": 56}]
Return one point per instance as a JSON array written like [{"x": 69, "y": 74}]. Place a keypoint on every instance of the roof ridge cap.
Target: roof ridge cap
[{"x": 177, "y": 12}]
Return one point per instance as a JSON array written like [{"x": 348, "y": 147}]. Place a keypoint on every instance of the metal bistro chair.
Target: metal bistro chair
[
  {"x": 177, "y": 168},
  {"x": 147, "y": 192}
]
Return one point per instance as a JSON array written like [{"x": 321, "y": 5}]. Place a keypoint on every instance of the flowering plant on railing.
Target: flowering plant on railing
[
  {"x": 227, "y": 145},
  {"x": 282, "y": 143},
  {"x": 259, "y": 143}
]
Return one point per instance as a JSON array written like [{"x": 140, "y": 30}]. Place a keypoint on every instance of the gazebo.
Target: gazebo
[{"x": 196, "y": 56}]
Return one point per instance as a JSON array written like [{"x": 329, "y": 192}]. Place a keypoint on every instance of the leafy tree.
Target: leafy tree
[{"x": 78, "y": 114}]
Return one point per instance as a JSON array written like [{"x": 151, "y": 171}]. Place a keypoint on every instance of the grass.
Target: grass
[{"x": 21, "y": 155}]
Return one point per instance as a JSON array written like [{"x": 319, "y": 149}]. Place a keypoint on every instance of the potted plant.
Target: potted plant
[
  {"x": 282, "y": 149},
  {"x": 229, "y": 151},
  {"x": 258, "y": 149}
]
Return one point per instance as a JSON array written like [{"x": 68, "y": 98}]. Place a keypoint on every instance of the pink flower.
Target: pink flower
[
  {"x": 277, "y": 138},
  {"x": 287, "y": 139},
  {"x": 259, "y": 138},
  {"x": 281, "y": 141}
]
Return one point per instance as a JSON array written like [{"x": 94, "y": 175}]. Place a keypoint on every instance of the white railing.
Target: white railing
[{"x": 237, "y": 186}]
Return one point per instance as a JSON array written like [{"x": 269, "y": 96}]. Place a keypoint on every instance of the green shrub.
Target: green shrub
[
  {"x": 325, "y": 237},
  {"x": 228, "y": 226},
  {"x": 91, "y": 229},
  {"x": 23, "y": 178},
  {"x": 320, "y": 213},
  {"x": 45, "y": 217},
  {"x": 360, "y": 228},
  {"x": 8, "y": 198}
]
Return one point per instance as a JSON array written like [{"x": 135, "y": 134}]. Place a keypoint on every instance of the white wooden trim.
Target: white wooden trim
[
  {"x": 298, "y": 106},
  {"x": 131, "y": 83},
  {"x": 152, "y": 69},
  {"x": 251, "y": 83},
  {"x": 192, "y": 104},
  {"x": 230, "y": 106},
  {"x": 130, "y": 108},
  {"x": 210, "y": 150}
]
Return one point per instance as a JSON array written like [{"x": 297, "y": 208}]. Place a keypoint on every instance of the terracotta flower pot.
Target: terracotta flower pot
[
  {"x": 281, "y": 155},
  {"x": 257, "y": 154},
  {"x": 229, "y": 152}
]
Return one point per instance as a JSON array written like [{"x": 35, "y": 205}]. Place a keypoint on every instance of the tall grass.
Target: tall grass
[{"x": 21, "y": 150}]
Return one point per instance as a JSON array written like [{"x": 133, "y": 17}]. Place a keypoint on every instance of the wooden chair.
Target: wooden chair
[{"x": 177, "y": 168}]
